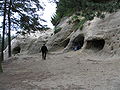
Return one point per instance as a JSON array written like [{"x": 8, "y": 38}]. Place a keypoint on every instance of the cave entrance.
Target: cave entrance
[
  {"x": 78, "y": 42},
  {"x": 95, "y": 44},
  {"x": 16, "y": 50}
]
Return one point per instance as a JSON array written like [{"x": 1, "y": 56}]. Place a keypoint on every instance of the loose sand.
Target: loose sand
[{"x": 68, "y": 71}]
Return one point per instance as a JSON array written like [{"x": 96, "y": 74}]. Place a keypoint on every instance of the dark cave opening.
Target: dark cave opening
[
  {"x": 95, "y": 44},
  {"x": 66, "y": 42},
  {"x": 78, "y": 42},
  {"x": 16, "y": 50}
]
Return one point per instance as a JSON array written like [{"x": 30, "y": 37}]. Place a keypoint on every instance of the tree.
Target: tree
[
  {"x": 24, "y": 15},
  {"x": 27, "y": 18},
  {"x": 86, "y": 8},
  {"x": 9, "y": 29},
  {"x": 1, "y": 70},
  {"x": 3, "y": 36},
  {"x": 0, "y": 42}
]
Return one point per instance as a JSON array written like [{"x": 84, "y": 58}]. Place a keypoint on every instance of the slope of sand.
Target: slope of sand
[{"x": 68, "y": 71}]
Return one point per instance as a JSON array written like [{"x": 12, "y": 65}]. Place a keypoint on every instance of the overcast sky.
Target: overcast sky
[{"x": 50, "y": 9}]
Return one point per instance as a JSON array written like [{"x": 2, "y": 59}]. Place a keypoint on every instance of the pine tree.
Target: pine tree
[
  {"x": 3, "y": 36},
  {"x": 9, "y": 29},
  {"x": 85, "y": 8},
  {"x": 27, "y": 18}
]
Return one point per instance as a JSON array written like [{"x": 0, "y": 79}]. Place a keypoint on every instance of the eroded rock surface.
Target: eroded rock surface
[
  {"x": 28, "y": 44},
  {"x": 99, "y": 36}
]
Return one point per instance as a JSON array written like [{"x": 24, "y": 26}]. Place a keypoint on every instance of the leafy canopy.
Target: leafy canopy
[
  {"x": 85, "y": 8},
  {"x": 25, "y": 14}
]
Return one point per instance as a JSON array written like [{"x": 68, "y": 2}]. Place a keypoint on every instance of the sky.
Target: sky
[
  {"x": 1, "y": 19},
  {"x": 49, "y": 11}
]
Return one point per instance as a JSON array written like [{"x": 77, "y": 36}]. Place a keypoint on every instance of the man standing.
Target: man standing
[{"x": 44, "y": 51}]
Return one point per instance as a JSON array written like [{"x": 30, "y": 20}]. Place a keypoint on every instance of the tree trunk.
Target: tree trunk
[
  {"x": 3, "y": 36},
  {"x": 9, "y": 30},
  {"x": 1, "y": 70}
]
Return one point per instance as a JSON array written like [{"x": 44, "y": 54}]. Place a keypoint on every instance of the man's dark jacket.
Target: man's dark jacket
[{"x": 44, "y": 49}]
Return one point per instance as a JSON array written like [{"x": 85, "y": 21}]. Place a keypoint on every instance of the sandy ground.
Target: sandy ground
[{"x": 68, "y": 71}]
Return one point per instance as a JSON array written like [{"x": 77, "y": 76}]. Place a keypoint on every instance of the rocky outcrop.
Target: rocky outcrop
[
  {"x": 28, "y": 44},
  {"x": 20, "y": 44},
  {"x": 76, "y": 39},
  {"x": 37, "y": 44},
  {"x": 99, "y": 36},
  {"x": 102, "y": 35},
  {"x": 61, "y": 39}
]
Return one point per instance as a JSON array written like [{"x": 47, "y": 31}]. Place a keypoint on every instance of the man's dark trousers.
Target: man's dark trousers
[{"x": 44, "y": 55}]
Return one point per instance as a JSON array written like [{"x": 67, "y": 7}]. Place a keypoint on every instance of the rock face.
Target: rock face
[
  {"x": 43, "y": 38},
  {"x": 99, "y": 36},
  {"x": 61, "y": 39},
  {"x": 28, "y": 44},
  {"x": 103, "y": 35}
]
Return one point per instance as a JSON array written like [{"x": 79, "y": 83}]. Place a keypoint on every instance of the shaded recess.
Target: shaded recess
[
  {"x": 78, "y": 41},
  {"x": 66, "y": 42},
  {"x": 95, "y": 44},
  {"x": 16, "y": 50}
]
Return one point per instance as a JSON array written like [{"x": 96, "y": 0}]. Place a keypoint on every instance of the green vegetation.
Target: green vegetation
[
  {"x": 78, "y": 22},
  {"x": 23, "y": 14},
  {"x": 88, "y": 9},
  {"x": 57, "y": 29},
  {"x": 19, "y": 14}
]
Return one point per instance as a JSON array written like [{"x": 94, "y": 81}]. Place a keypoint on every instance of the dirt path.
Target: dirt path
[{"x": 70, "y": 71}]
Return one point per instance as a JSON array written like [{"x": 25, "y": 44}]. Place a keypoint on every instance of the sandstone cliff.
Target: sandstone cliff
[{"x": 98, "y": 37}]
